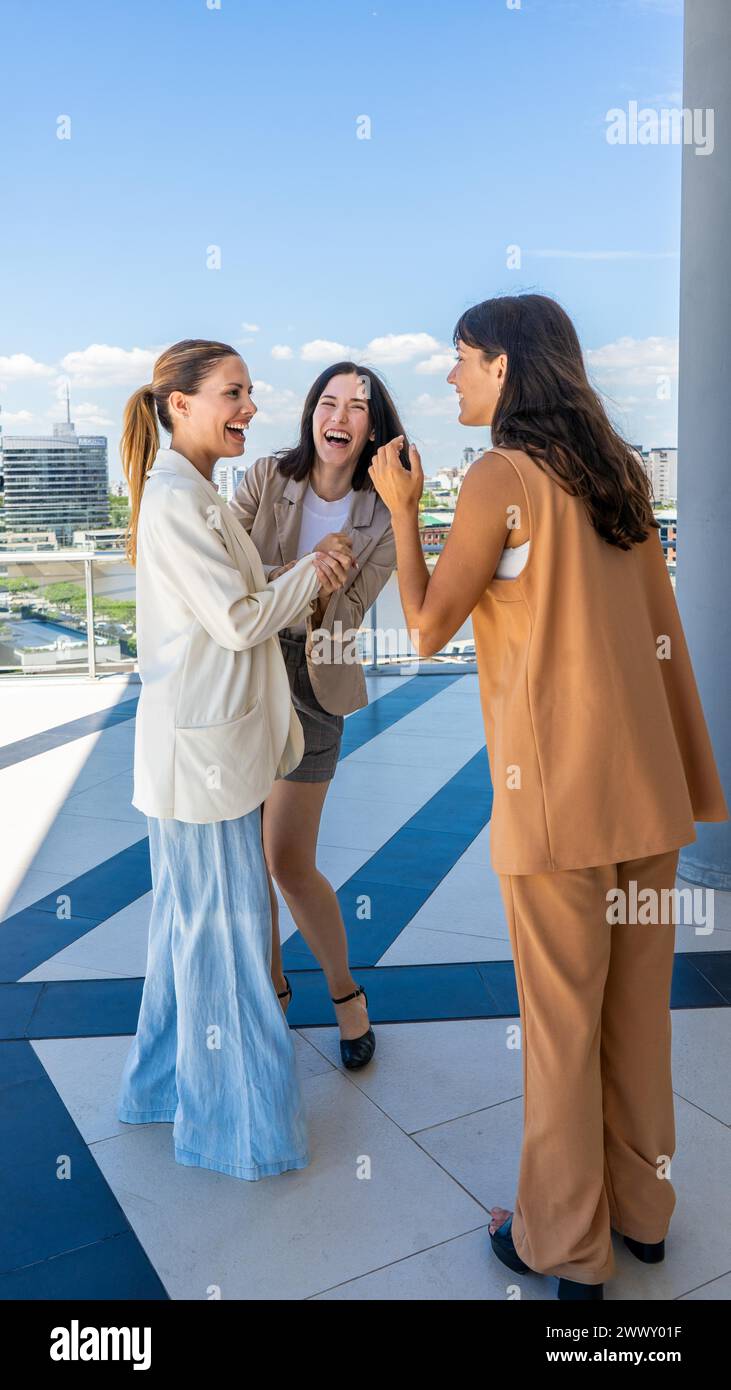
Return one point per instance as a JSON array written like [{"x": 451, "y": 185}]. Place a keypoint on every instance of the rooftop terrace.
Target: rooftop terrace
[{"x": 438, "y": 1112}]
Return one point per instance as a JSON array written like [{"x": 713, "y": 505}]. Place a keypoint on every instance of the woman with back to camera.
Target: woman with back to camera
[
  {"x": 319, "y": 494},
  {"x": 215, "y": 727},
  {"x": 601, "y": 763}
]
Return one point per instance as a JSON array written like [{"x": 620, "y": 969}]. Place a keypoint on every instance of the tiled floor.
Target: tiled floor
[{"x": 408, "y": 1154}]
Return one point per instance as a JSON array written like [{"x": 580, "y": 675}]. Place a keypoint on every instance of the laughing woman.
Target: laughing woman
[
  {"x": 318, "y": 496},
  {"x": 600, "y": 762},
  {"x": 215, "y": 726}
]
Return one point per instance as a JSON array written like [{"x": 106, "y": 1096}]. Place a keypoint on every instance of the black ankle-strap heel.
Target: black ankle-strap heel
[
  {"x": 649, "y": 1254},
  {"x": 356, "y": 1052},
  {"x": 568, "y": 1289},
  {"x": 285, "y": 992},
  {"x": 571, "y": 1289}
]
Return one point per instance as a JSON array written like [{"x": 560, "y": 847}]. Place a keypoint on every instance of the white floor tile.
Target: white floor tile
[
  {"x": 460, "y": 1269},
  {"x": 117, "y": 947},
  {"x": 424, "y": 1074},
  {"x": 429, "y": 946},
  {"x": 291, "y": 1236},
  {"x": 701, "y": 1051},
  {"x": 482, "y": 1152},
  {"x": 66, "y": 847},
  {"x": 110, "y": 800},
  {"x": 412, "y": 750}
]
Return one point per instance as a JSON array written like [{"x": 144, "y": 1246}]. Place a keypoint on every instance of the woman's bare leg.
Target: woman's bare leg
[
  {"x": 291, "y": 825},
  {"x": 277, "y": 971}
]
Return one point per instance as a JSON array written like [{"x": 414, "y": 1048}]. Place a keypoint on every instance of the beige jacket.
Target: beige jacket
[
  {"x": 597, "y": 742},
  {"x": 269, "y": 506},
  {"x": 215, "y": 722}
]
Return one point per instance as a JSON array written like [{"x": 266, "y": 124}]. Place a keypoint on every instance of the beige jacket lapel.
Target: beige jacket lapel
[
  {"x": 288, "y": 520},
  {"x": 240, "y": 543}
]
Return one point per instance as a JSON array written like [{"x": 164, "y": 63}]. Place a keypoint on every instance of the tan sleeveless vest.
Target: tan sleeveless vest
[{"x": 596, "y": 738}]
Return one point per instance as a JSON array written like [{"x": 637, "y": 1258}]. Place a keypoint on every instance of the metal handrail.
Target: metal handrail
[
  {"x": 88, "y": 558},
  {"x": 91, "y": 557}
]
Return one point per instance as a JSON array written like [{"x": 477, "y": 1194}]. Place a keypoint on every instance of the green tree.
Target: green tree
[
  {"x": 118, "y": 511},
  {"x": 18, "y": 586}
]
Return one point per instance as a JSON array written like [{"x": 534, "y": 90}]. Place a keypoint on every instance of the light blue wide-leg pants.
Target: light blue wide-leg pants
[{"x": 213, "y": 1052}]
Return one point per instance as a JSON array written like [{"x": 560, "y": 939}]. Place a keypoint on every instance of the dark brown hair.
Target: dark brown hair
[{"x": 548, "y": 408}]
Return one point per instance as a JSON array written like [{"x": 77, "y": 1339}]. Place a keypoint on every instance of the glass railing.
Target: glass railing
[{"x": 66, "y": 612}]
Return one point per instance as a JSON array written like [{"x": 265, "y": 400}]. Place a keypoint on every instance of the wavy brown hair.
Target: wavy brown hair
[
  {"x": 181, "y": 367},
  {"x": 548, "y": 408}
]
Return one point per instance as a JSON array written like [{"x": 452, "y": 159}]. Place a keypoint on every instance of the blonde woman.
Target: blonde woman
[
  {"x": 318, "y": 495},
  {"x": 215, "y": 728}
]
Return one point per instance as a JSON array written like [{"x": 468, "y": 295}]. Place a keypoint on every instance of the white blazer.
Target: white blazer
[{"x": 215, "y": 722}]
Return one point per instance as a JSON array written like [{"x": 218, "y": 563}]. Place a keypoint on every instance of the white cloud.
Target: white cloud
[
  {"x": 88, "y": 414},
  {"x": 324, "y": 350},
  {"x": 20, "y": 367},
  {"x": 441, "y": 361},
  {"x": 391, "y": 349},
  {"x": 102, "y": 365},
  {"x": 633, "y": 361},
  {"x": 250, "y": 327},
  {"x": 427, "y": 404},
  {"x": 559, "y": 255},
  {"x": 400, "y": 347},
  {"x": 275, "y": 406},
  {"x": 281, "y": 351},
  {"x": 637, "y": 377},
  {"x": 16, "y": 417}
]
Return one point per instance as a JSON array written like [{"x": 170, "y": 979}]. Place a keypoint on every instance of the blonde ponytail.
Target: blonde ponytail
[
  {"x": 138, "y": 446},
  {"x": 181, "y": 367}
]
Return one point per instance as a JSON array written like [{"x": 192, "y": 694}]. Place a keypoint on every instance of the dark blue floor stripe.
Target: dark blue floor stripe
[
  {"x": 75, "y": 1240},
  {"x": 78, "y": 1243},
  {"x": 47, "y": 1216},
  {"x": 381, "y": 714},
  {"x": 396, "y": 994},
  {"x": 35, "y": 933},
  {"x": 387, "y": 891},
  {"x": 30, "y": 747}
]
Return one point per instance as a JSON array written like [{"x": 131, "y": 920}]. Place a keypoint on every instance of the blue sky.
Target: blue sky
[{"x": 236, "y": 127}]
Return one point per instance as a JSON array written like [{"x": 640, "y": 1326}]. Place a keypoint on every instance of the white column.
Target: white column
[{"x": 704, "y": 426}]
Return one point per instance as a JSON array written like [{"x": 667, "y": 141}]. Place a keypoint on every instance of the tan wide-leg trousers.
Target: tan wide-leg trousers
[{"x": 599, "y": 1127}]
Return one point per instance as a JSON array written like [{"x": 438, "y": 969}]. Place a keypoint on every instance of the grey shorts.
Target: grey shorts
[{"x": 323, "y": 731}]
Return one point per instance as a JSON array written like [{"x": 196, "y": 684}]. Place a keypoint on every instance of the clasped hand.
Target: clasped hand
[{"x": 334, "y": 560}]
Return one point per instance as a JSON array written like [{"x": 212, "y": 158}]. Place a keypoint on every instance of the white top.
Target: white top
[
  {"x": 319, "y": 517},
  {"x": 215, "y": 723},
  {"x": 512, "y": 561}
]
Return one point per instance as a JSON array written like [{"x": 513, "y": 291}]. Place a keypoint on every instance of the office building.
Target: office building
[{"x": 55, "y": 482}]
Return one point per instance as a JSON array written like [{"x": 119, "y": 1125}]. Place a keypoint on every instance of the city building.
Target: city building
[
  {"x": 662, "y": 465},
  {"x": 108, "y": 538},
  {"x": 55, "y": 482},
  {"x": 668, "y": 519},
  {"x": 227, "y": 477},
  {"x": 29, "y": 540}
]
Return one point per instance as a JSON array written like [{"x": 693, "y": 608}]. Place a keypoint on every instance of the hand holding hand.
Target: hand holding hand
[
  {"x": 332, "y": 569},
  {"x": 340, "y": 541}
]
